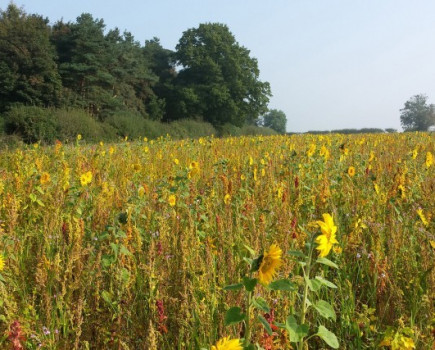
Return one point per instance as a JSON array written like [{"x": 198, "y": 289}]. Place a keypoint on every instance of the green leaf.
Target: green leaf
[
  {"x": 296, "y": 332},
  {"x": 124, "y": 251},
  {"x": 326, "y": 282},
  {"x": 328, "y": 337},
  {"x": 314, "y": 284},
  {"x": 283, "y": 284},
  {"x": 250, "y": 250},
  {"x": 260, "y": 304},
  {"x": 249, "y": 283},
  {"x": 236, "y": 286},
  {"x": 327, "y": 262},
  {"x": 256, "y": 263},
  {"x": 265, "y": 324},
  {"x": 233, "y": 316},
  {"x": 296, "y": 253},
  {"x": 325, "y": 309},
  {"x": 107, "y": 297},
  {"x": 32, "y": 197}
]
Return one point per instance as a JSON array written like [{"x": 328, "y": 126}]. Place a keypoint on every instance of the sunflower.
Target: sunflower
[
  {"x": 429, "y": 159},
  {"x": 228, "y": 344},
  {"x": 351, "y": 171},
  {"x": 327, "y": 238},
  {"x": 172, "y": 200},
  {"x": 270, "y": 263},
  {"x": 227, "y": 199},
  {"x": 2, "y": 262},
  {"x": 86, "y": 178}
]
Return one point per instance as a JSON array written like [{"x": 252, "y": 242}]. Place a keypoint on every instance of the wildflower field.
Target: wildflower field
[{"x": 280, "y": 242}]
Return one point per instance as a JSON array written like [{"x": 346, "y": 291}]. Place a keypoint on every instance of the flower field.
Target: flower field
[{"x": 252, "y": 242}]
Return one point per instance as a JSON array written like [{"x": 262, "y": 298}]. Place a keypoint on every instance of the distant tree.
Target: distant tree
[
  {"x": 28, "y": 71},
  {"x": 417, "y": 115},
  {"x": 84, "y": 59},
  {"x": 276, "y": 120},
  {"x": 218, "y": 79}
]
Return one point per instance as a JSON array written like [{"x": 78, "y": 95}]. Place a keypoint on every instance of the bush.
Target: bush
[
  {"x": 10, "y": 141},
  {"x": 193, "y": 128},
  {"x": 31, "y": 123},
  {"x": 252, "y": 130},
  {"x": 128, "y": 124},
  {"x": 229, "y": 130},
  {"x": 77, "y": 121}
]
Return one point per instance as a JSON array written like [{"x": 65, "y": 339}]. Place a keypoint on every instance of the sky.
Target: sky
[{"x": 331, "y": 64}]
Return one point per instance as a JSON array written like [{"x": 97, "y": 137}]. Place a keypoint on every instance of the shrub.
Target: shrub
[
  {"x": 128, "y": 124},
  {"x": 31, "y": 123},
  {"x": 77, "y": 121},
  {"x": 252, "y": 130},
  {"x": 229, "y": 130}
]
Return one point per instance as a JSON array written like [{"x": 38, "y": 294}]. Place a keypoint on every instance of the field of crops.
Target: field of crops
[{"x": 181, "y": 244}]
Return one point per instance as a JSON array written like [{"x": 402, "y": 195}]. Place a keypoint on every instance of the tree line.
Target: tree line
[{"x": 81, "y": 65}]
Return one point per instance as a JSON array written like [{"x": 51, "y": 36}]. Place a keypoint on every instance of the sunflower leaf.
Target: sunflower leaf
[
  {"x": 234, "y": 315},
  {"x": 325, "y": 309},
  {"x": 327, "y": 262},
  {"x": 296, "y": 253},
  {"x": 235, "y": 286},
  {"x": 256, "y": 263},
  {"x": 296, "y": 332},
  {"x": 328, "y": 337},
  {"x": 260, "y": 304},
  {"x": 325, "y": 282},
  {"x": 265, "y": 324},
  {"x": 283, "y": 284},
  {"x": 249, "y": 283}
]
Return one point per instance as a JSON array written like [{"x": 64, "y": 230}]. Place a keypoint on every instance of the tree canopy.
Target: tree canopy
[
  {"x": 417, "y": 114},
  {"x": 276, "y": 120},
  {"x": 28, "y": 71},
  {"x": 81, "y": 64},
  {"x": 218, "y": 80}
]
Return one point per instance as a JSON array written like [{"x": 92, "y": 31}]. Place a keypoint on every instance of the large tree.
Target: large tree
[
  {"x": 218, "y": 80},
  {"x": 276, "y": 120},
  {"x": 417, "y": 114},
  {"x": 28, "y": 71}
]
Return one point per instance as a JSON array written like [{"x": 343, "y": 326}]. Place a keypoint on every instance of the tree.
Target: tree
[
  {"x": 417, "y": 115},
  {"x": 276, "y": 120},
  {"x": 218, "y": 80},
  {"x": 28, "y": 71}
]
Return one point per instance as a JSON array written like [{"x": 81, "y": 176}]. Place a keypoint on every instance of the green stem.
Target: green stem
[
  {"x": 306, "y": 272},
  {"x": 248, "y": 317}
]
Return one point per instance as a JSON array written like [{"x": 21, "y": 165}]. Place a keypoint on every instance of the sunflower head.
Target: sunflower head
[
  {"x": 228, "y": 344},
  {"x": 270, "y": 262},
  {"x": 327, "y": 239}
]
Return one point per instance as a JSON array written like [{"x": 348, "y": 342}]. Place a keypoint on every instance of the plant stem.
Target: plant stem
[
  {"x": 306, "y": 272},
  {"x": 247, "y": 323}
]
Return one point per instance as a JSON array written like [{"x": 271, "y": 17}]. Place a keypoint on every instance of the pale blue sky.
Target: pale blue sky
[{"x": 331, "y": 64}]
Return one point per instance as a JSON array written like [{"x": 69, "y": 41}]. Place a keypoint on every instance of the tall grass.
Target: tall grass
[{"x": 112, "y": 261}]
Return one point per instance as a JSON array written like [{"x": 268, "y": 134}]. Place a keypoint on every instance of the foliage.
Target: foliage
[
  {"x": 76, "y": 121},
  {"x": 28, "y": 72},
  {"x": 131, "y": 244},
  {"x": 32, "y": 124},
  {"x": 218, "y": 80},
  {"x": 417, "y": 114},
  {"x": 276, "y": 120}
]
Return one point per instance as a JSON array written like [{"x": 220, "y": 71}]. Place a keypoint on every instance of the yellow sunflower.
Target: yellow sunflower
[
  {"x": 351, "y": 171},
  {"x": 172, "y": 200},
  {"x": 228, "y": 344},
  {"x": 2, "y": 262},
  {"x": 327, "y": 238},
  {"x": 270, "y": 263},
  {"x": 86, "y": 178}
]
